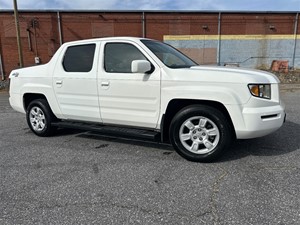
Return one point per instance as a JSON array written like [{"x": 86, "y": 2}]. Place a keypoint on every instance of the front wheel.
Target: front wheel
[
  {"x": 200, "y": 133},
  {"x": 39, "y": 117}
]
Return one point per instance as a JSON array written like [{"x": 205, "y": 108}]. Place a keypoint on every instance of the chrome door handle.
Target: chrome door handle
[{"x": 105, "y": 83}]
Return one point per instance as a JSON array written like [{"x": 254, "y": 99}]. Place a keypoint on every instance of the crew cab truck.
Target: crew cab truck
[{"x": 148, "y": 86}]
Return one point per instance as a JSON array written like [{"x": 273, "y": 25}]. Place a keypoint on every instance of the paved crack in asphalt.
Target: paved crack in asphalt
[{"x": 214, "y": 196}]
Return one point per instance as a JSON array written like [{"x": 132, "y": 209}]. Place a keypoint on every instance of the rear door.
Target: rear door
[
  {"x": 127, "y": 98},
  {"x": 75, "y": 82}
]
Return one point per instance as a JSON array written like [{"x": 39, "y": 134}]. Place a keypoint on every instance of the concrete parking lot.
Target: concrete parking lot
[{"x": 80, "y": 177}]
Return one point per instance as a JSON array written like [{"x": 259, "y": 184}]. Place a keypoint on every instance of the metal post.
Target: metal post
[
  {"x": 143, "y": 25},
  {"x": 29, "y": 40},
  {"x": 219, "y": 40},
  {"x": 1, "y": 68},
  {"x": 18, "y": 33},
  {"x": 295, "y": 39},
  {"x": 34, "y": 23},
  {"x": 59, "y": 28}
]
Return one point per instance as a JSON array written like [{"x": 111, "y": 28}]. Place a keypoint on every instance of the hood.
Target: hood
[{"x": 223, "y": 75}]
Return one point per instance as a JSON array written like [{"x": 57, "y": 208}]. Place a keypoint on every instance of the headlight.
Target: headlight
[{"x": 260, "y": 90}]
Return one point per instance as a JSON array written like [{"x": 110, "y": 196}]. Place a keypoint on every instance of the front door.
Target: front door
[{"x": 127, "y": 98}]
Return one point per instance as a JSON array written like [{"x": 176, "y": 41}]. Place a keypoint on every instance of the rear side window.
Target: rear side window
[{"x": 79, "y": 58}]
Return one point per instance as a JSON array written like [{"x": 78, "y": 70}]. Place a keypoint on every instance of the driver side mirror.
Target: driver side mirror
[{"x": 140, "y": 66}]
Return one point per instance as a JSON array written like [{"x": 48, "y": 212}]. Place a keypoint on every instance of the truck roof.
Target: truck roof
[{"x": 105, "y": 39}]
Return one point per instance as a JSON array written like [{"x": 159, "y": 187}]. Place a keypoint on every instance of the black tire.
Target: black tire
[
  {"x": 39, "y": 117},
  {"x": 200, "y": 133}
]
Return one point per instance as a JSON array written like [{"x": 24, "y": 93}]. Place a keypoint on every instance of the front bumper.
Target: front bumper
[{"x": 259, "y": 121}]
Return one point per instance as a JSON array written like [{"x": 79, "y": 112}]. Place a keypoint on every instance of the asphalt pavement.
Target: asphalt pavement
[{"x": 80, "y": 177}]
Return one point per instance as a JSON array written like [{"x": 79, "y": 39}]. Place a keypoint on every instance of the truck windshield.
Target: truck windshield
[{"x": 168, "y": 55}]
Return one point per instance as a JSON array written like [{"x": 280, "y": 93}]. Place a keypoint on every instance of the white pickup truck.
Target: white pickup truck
[{"x": 151, "y": 88}]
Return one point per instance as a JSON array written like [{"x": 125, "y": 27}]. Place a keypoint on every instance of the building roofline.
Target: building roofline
[{"x": 146, "y": 11}]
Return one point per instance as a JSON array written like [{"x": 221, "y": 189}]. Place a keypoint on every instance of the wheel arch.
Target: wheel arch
[
  {"x": 175, "y": 105},
  {"x": 29, "y": 97},
  {"x": 39, "y": 115}
]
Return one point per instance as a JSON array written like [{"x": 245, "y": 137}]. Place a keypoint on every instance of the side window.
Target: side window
[
  {"x": 79, "y": 58},
  {"x": 118, "y": 57}
]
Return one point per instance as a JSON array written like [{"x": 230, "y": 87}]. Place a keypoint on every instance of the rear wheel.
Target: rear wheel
[
  {"x": 200, "y": 133},
  {"x": 39, "y": 117}
]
